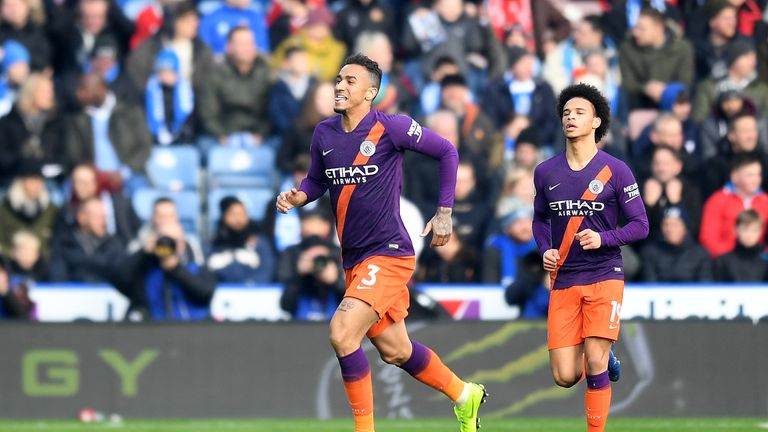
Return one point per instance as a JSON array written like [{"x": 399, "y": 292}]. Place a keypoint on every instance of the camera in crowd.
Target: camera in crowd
[
  {"x": 165, "y": 247},
  {"x": 319, "y": 263}
]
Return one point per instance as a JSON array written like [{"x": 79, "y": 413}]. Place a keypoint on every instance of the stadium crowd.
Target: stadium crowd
[{"x": 93, "y": 91}]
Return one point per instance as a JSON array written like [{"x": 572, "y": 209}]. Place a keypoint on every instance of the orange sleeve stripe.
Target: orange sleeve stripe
[
  {"x": 374, "y": 135},
  {"x": 574, "y": 222}
]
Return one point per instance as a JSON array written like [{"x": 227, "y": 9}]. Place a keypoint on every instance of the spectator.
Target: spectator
[
  {"x": 234, "y": 104},
  {"x": 568, "y": 62},
  {"x": 105, "y": 62},
  {"x": 667, "y": 131},
  {"x": 109, "y": 133},
  {"x": 714, "y": 129},
  {"x": 530, "y": 289},
  {"x": 149, "y": 20},
  {"x": 27, "y": 207},
  {"x": 359, "y": 16},
  {"x": 746, "y": 263},
  {"x": 169, "y": 102},
  {"x": 519, "y": 94},
  {"x": 454, "y": 262},
  {"x": 478, "y": 135},
  {"x": 676, "y": 257},
  {"x": 74, "y": 33},
  {"x": 516, "y": 239},
  {"x": 33, "y": 130},
  {"x": 517, "y": 184},
  {"x": 163, "y": 281},
  {"x": 651, "y": 59},
  {"x": 523, "y": 151},
  {"x": 742, "y": 138},
  {"x": 470, "y": 210},
  {"x": 288, "y": 17},
  {"x": 24, "y": 22},
  {"x": 541, "y": 23},
  {"x": 668, "y": 188},
  {"x": 121, "y": 219},
  {"x": 721, "y": 210},
  {"x": 240, "y": 252},
  {"x": 430, "y": 94},
  {"x": 712, "y": 47},
  {"x": 396, "y": 93},
  {"x": 14, "y": 71},
  {"x": 325, "y": 52},
  {"x": 179, "y": 34},
  {"x": 741, "y": 60},
  {"x": 623, "y": 16},
  {"x": 26, "y": 262},
  {"x": 296, "y": 141},
  {"x": 14, "y": 299},
  {"x": 606, "y": 78},
  {"x": 748, "y": 15},
  {"x": 87, "y": 253},
  {"x": 164, "y": 213},
  {"x": 311, "y": 272},
  {"x": 215, "y": 28},
  {"x": 290, "y": 90}
]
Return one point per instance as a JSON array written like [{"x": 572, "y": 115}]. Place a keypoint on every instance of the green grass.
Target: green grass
[{"x": 619, "y": 424}]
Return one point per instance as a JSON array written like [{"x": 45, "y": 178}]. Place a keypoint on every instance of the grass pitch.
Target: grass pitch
[{"x": 618, "y": 424}]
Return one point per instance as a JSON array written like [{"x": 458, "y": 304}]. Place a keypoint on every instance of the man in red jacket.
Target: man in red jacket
[{"x": 718, "y": 223}]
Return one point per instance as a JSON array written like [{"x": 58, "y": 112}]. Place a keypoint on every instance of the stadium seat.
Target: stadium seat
[
  {"x": 174, "y": 168},
  {"x": 187, "y": 204},
  {"x": 255, "y": 201},
  {"x": 230, "y": 167}
]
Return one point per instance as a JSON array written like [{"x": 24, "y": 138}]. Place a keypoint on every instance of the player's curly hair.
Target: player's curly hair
[
  {"x": 598, "y": 101},
  {"x": 371, "y": 66}
]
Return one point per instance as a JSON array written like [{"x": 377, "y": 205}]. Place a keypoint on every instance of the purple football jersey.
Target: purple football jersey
[
  {"x": 363, "y": 171},
  {"x": 570, "y": 201}
]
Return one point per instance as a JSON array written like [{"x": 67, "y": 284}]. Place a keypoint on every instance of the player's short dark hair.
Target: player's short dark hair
[
  {"x": 598, "y": 101},
  {"x": 741, "y": 160},
  {"x": 653, "y": 14},
  {"x": 748, "y": 217},
  {"x": 374, "y": 71}
]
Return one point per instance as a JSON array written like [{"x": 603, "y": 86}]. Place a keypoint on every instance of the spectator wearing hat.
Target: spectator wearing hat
[
  {"x": 241, "y": 254},
  {"x": 741, "y": 76},
  {"x": 476, "y": 131},
  {"x": 14, "y": 296},
  {"x": 742, "y": 138},
  {"x": 27, "y": 207},
  {"x": 714, "y": 128},
  {"x": 667, "y": 187},
  {"x": 325, "y": 52},
  {"x": 503, "y": 250},
  {"x": 33, "y": 130},
  {"x": 522, "y": 152},
  {"x": 24, "y": 21},
  {"x": 567, "y": 63},
  {"x": 675, "y": 257},
  {"x": 653, "y": 57},
  {"x": 518, "y": 93},
  {"x": 235, "y": 101},
  {"x": 711, "y": 47},
  {"x": 179, "y": 32},
  {"x": 86, "y": 252},
  {"x": 747, "y": 261},
  {"x": 109, "y": 133},
  {"x": 14, "y": 70},
  {"x": 215, "y": 27},
  {"x": 169, "y": 102},
  {"x": 721, "y": 210},
  {"x": 311, "y": 271},
  {"x": 290, "y": 91},
  {"x": 454, "y": 262}
]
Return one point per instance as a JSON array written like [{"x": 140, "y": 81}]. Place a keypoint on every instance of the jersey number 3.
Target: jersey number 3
[{"x": 371, "y": 279}]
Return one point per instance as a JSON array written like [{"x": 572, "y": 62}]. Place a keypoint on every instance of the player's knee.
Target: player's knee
[
  {"x": 596, "y": 364},
  {"x": 565, "y": 381},
  {"x": 395, "y": 357},
  {"x": 342, "y": 341}
]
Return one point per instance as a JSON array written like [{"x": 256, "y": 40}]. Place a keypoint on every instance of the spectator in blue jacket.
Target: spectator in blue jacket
[
  {"x": 14, "y": 70},
  {"x": 163, "y": 282},
  {"x": 290, "y": 90},
  {"x": 240, "y": 252},
  {"x": 14, "y": 302},
  {"x": 215, "y": 28},
  {"x": 169, "y": 102},
  {"x": 516, "y": 239}
]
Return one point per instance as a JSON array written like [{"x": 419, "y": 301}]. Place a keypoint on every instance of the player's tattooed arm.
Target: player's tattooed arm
[
  {"x": 441, "y": 226},
  {"x": 346, "y": 305}
]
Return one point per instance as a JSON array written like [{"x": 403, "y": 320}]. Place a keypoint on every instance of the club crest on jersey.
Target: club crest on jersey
[
  {"x": 596, "y": 186},
  {"x": 367, "y": 148}
]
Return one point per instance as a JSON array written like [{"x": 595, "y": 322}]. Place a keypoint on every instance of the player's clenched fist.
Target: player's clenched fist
[
  {"x": 551, "y": 257},
  {"x": 588, "y": 239},
  {"x": 288, "y": 200}
]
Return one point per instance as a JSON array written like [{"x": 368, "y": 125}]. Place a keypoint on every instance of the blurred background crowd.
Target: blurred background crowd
[{"x": 142, "y": 142}]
